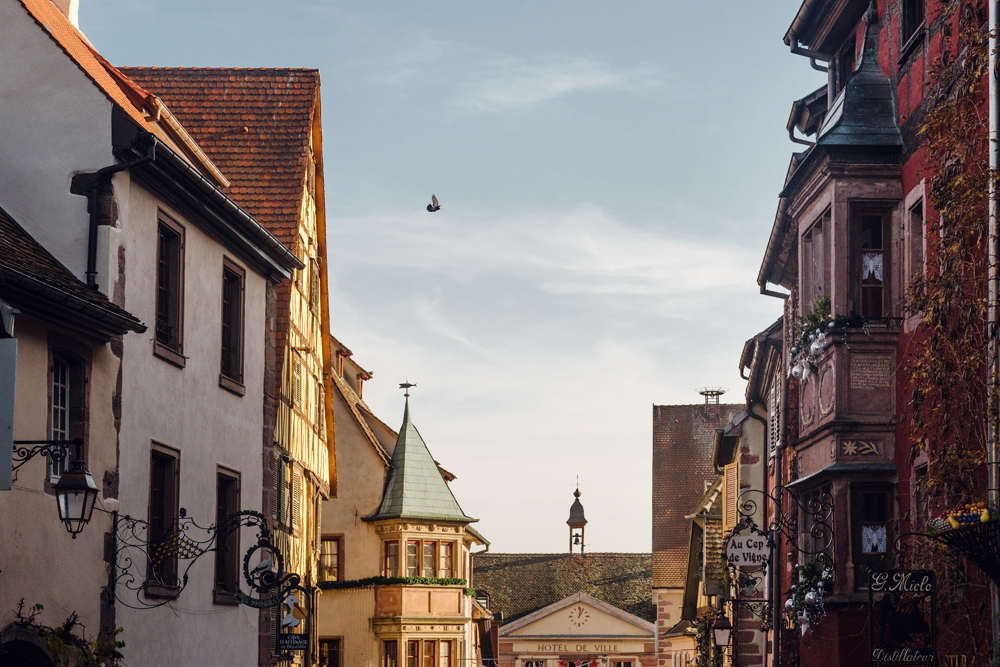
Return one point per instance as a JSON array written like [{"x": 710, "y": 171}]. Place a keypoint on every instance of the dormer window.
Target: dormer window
[
  {"x": 911, "y": 22},
  {"x": 846, "y": 58}
]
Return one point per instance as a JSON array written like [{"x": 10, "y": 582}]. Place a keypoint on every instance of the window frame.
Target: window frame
[
  {"x": 227, "y": 557},
  {"x": 162, "y": 580},
  {"x": 172, "y": 349},
  {"x": 387, "y": 559},
  {"x": 911, "y": 25},
  {"x": 324, "y": 660},
  {"x": 855, "y": 263},
  {"x": 233, "y": 327},
  {"x": 60, "y": 399},
  {"x": 817, "y": 272},
  {"x": 337, "y": 539},
  {"x": 865, "y": 561}
]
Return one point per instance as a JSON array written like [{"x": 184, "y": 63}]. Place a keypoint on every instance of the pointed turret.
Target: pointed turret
[
  {"x": 414, "y": 487},
  {"x": 576, "y": 521}
]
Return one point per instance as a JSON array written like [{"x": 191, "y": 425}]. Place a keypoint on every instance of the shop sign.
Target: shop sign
[
  {"x": 749, "y": 550},
  {"x": 901, "y": 613},
  {"x": 292, "y": 641}
]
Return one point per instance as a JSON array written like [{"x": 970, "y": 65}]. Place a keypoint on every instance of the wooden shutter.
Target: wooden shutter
[
  {"x": 296, "y": 379},
  {"x": 730, "y": 488},
  {"x": 296, "y": 519},
  {"x": 277, "y": 489}
]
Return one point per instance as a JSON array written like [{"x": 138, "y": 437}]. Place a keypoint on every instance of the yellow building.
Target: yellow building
[
  {"x": 262, "y": 128},
  {"x": 396, "y": 546}
]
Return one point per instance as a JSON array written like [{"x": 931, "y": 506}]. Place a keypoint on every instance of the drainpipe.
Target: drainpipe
[
  {"x": 95, "y": 191},
  {"x": 993, "y": 365}
]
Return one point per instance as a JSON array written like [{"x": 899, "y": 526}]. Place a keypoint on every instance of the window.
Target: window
[
  {"x": 60, "y": 413},
  {"x": 622, "y": 663},
  {"x": 286, "y": 508},
  {"x": 921, "y": 501},
  {"x": 730, "y": 491},
  {"x": 815, "y": 261},
  {"x": 227, "y": 556},
  {"x": 329, "y": 653},
  {"x": 870, "y": 532},
  {"x": 430, "y": 653},
  {"x": 163, "y": 507},
  {"x": 445, "y": 567},
  {"x": 391, "y": 559},
  {"x": 330, "y": 559},
  {"x": 231, "y": 369},
  {"x": 429, "y": 558},
  {"x": 533, "y": 663},
  {"x": 390, "y": 655},
  {"x": 168, "y": 341},
  {"x": 774, "y": 415},
  {"x": 320, "y": 422},
  {"x": 870, "y": 263},
  {"x": 911, "y": 22}
]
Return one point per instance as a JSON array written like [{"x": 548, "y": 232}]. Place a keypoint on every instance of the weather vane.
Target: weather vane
[{"x": 406, "y": 385}]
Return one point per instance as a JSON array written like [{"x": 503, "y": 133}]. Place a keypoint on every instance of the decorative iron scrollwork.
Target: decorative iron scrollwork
[{"x": 148, "y": 573}]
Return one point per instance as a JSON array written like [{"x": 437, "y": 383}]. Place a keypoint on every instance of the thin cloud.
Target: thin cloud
[
  {"x": 583, "y": 250},
  {"x": 511, "y": 83}
]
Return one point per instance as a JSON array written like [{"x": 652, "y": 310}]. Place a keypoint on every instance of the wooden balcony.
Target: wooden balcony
[{"x": 418, "y": 600}]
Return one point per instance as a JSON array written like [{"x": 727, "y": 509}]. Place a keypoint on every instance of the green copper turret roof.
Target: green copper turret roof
[{"x": 414, "y": 487}]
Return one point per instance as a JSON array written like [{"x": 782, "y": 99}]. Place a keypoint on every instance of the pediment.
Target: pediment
[{"x": 579, "y": 615}]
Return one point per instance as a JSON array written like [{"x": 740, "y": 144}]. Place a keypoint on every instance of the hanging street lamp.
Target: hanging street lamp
[
  {"x": 76, "y": 494},
  {"x": 722, "y": 629}
]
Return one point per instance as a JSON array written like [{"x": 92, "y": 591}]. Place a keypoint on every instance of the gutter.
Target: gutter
[
  {"x": 260, "y": 241},
  {"x": 163, "y": 113},
  {"x": 777, "y": 232}
]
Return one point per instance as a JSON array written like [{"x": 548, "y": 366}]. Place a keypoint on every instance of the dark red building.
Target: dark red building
[{"x": 880, "y": 244}]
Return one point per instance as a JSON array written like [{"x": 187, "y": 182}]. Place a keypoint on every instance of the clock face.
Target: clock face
[
  {"x": 873, "y": 539},
  {"x": 578, "y": 615}
]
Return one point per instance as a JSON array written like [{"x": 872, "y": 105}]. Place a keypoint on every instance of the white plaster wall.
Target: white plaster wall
[
  {"x": 40, "y": 561},
  {"x": 188, "y": 410},
  {"x": 54, "y": 123}
]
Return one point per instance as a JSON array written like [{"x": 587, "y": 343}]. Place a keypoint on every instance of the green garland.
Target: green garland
[{"x": 369, "y": 582}]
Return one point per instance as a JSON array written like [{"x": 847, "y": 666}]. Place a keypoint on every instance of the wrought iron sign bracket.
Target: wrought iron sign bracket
[{"x": 55, "y": 450}]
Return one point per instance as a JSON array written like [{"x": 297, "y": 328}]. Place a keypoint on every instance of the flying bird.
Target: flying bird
[{"x": 434, "y": 205}]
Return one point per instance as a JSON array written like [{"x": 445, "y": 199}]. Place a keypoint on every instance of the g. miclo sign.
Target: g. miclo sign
[{"x": 747, "y": 550}]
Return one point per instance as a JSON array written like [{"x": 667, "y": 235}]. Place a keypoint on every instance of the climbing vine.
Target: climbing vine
[
  {"x": 947, "y": 365},
  {"x": 947, "y": 361},
  {"x": 709, "y": 655}
]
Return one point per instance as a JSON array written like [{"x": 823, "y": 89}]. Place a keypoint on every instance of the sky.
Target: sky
[{"x": 608, "y": 175}]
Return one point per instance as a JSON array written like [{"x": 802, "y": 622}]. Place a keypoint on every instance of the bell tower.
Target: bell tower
[{"x": 576, "y": 522}]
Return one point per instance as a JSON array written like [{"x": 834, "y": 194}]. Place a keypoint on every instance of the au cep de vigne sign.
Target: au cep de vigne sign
[
  {"x": 747, "y": 550},
  {"x": 901, "y": 605}
]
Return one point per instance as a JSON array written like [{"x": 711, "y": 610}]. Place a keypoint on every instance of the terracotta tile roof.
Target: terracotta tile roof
[
  {"x": 34, "y": 281},
  {"x": 254, "y": 124},
  {"x": 126, "y": 94},
  {"x": 519, "y": 584},
  {"x": 683, "y": 436}
]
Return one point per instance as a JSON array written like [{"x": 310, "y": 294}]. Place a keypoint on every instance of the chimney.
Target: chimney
[
  {"x": 712, "y": 394},
  {"x": 71, "y": 9}
]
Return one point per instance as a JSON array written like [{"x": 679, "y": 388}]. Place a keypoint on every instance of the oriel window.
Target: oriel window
[{"x": 391, "y": 559}]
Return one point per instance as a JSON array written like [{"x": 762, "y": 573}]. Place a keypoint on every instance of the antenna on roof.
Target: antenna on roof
[{"x": 712, "y": 394}]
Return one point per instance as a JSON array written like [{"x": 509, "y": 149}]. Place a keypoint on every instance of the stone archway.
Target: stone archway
[{"x": 20, "y": 647}]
